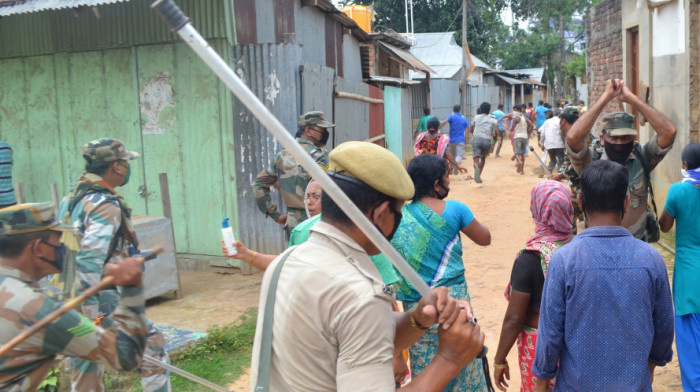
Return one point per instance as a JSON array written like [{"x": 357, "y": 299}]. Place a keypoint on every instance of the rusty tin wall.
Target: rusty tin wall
[
  {"x": 271, "y": 71},
  {"x": 102, "y": 27}
]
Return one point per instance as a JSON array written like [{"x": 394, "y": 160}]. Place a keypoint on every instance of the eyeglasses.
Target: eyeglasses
[
  {"x": 318, "y": 130},
  {"x": 312, "y": 196}
]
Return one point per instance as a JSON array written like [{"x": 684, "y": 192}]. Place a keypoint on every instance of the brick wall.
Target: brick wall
[
  {"x": 694, "y": 72},
  {"x": 604, "y": 58}
]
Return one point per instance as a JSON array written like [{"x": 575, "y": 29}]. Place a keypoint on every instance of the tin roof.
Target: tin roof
[
  {"x": 391, "y": 80},
  {"x": 534, "y": 73},
  {"x": 441, "y": 52},
  {"x": 407, "y": 57},
  {"x": 14, "y": 7}
]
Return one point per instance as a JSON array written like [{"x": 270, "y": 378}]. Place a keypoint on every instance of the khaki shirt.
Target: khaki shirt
[
  {"x": 635, "y": 218},
  {"x": 333, "y": 323}
]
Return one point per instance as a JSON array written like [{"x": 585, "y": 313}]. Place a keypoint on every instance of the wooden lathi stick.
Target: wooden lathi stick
[{"x": 72, "y": 304}]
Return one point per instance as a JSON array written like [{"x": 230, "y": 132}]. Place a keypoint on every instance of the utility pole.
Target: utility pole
[{"x": 464, "y": 59}]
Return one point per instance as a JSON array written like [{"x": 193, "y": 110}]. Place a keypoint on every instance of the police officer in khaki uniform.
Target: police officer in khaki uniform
[
  {"x": 30, "y": 249},
  {"x": 334, "y": 328}
]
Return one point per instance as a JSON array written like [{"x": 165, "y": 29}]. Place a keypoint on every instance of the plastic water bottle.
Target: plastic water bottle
[{"x": 227, "y": 233}]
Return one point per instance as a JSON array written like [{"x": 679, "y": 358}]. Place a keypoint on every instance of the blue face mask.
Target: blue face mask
[
  {"x": 692, "y": 176},
  {"x": 60, "y": 259}
]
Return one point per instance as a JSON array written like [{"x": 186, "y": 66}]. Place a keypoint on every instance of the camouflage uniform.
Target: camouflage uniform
[
  {"x": 635, "y": 218},
  {"x": 120, "y": 346},
  {"x": 567, "y": 170},
  {"x": 103, "y": 234},
  {"x": 292, "y": 177}
]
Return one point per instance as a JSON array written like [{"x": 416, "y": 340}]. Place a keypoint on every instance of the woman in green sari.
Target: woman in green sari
[{"x": 429, "y": 239}]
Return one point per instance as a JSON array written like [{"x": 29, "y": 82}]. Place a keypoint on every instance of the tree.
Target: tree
[
  {"x": 485, "y": 29},
  {"x": 555, "y": 18}
]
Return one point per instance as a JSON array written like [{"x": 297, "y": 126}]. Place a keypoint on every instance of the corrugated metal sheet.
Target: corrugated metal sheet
[
  {"x": 72, "y": 98},
  {"x": 246, "y": 22},
  {"x": 442, "y": 53},
  {"x": 444, "y": 94},
  {"x": 390, "y": 80},
  {"x": 534, "y": 73},
  {"x": 317, "y": 83},
  {"x": 376, "y": 115},
  {"x": 29, "y": 6},
  {"x": 351, "y": 116},
  {"x": 271, "y": 72},
  {"x": 420, "y": 100},
  {"x": 407, "y": 57},
  {"x": 106, "y": 26},
  {"x": 510, "y": 80}
]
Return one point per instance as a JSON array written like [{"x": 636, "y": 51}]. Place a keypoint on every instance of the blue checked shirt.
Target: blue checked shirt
[{"x": 606, "y": 311}]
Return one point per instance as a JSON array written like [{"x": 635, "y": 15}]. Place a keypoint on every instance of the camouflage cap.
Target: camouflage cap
[
  {"x": 29, "y": 218},
  {"x": 375, "y": 166},
  {"x": 571, "y": 111},
  {"x": 619, "y": 124},
  {"x": 314, "y": 118},
  {"x": 107, "y": 150}
]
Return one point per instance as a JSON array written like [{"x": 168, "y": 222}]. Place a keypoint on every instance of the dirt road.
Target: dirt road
[{"x": 501, "y": 202}]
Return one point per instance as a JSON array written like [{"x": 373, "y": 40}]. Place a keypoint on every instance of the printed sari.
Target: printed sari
[{"x": 434, "y": 249}]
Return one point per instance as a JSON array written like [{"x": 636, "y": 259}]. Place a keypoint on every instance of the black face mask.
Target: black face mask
[
  {"x": 446, "y": 189},
  {"x": 619, "y": 152},
  {"x": 432, "y": 130},
  {"x": 397, "y": 221},
  {"x": 60, "y": 259},
  {"x": 324, "y": 137}
]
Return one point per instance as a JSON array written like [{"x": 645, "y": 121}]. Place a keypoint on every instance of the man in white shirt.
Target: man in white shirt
[{"x": 552, "y": 140}]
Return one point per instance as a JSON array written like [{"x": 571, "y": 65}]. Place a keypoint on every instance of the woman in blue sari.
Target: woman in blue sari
[{"x": 429, "y": 239}]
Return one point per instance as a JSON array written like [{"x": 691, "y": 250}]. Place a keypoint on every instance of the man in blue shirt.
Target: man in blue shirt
[
  {"x": 540, "y": 111},
  {"x": 458, "y": 128},
  {"x": 606, "y": 317},
  {"x": 497, "y": 114}
]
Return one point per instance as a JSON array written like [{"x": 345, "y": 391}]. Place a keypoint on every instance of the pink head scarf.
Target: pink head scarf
[{"x": 550, "y": 204}]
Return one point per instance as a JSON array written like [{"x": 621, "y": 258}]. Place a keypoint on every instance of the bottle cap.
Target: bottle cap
[{"x": 224, "y": 223}]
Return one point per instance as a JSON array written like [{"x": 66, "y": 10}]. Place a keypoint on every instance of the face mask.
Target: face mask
[
  {"x": 128, "y": 173},
  {"x": 432, "y": 130},
  {"x": 692, "y": 176},
  {"x": 60, "y": 259},
  {"x": 446, "y": 189},
  {"x": 324, "y": 137},
  {"x": 618, "y": 152},
  {"x": 397, "y": 222}
]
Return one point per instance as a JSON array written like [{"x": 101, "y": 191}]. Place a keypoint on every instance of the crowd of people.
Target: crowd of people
[{"x": 588, "y": 311}]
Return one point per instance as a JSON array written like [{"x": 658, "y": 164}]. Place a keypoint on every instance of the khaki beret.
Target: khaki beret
[{"x": 376, "y": 166}]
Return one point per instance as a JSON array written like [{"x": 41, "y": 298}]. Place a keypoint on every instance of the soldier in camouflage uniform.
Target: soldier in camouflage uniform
[
  {"x": 291, "y": 178},
  {"x": 30, "y": 249},
  {"x": 567, "y": 118},
  {"x": 104, "y": 232},
  {"x": 618, "y": 141}
]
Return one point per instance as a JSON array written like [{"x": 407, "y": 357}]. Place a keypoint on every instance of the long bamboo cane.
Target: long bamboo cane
[{"x": 72, "y": 304}]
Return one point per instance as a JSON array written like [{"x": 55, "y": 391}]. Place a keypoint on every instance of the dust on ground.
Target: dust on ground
[{"x": 501, "y": 202}]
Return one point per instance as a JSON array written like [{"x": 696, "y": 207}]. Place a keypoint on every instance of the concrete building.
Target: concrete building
[{"x": 655, "y": 47}]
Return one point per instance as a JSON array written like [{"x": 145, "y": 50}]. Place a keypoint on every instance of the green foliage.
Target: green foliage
[
  {"x": 485, "y": 29},
  {"x": 575, "y": 67},
  {"x": 50, "y": 383},
  {"x": 220, "y": 357},
  {"x": 528, "y": 50}
]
